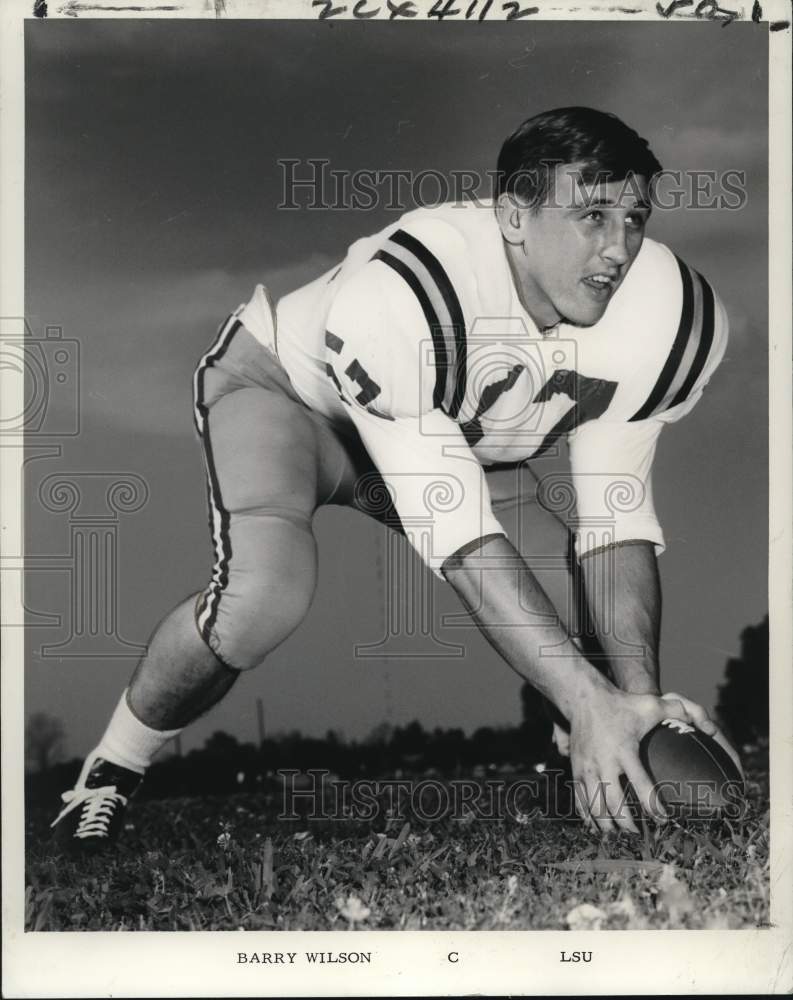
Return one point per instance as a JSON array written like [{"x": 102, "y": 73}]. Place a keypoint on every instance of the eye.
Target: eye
[
  {"x": 636, "y": 220},
  {"x": 594, "y": 215}
]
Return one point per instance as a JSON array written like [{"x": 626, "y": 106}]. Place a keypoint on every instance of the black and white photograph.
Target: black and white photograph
[{"x": 396, "y": 513}]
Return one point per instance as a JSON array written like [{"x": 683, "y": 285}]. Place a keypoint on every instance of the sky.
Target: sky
[{"x": 152, "y": 194}]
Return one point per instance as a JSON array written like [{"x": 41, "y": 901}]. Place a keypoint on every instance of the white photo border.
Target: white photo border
[{"x": 407, "y": 963}]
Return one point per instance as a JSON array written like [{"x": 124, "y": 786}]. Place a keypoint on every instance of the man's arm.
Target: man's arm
[
  {"x": 623, "y": 593},
  {"x": 617, "y": 539},
  {"x": 607, "y": 724},
  {"x": 518, "y": 619}
]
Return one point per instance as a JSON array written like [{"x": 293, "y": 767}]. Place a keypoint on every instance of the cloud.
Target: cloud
[
  {"x": 140, "y": 340},
  {"x": 719, "y": 148}
]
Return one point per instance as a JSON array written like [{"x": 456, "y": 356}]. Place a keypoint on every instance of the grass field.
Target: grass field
[{"x": 229, "y": 863}]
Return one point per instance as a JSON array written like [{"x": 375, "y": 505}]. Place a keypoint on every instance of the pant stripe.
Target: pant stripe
[{"x": 218, "y": 515}]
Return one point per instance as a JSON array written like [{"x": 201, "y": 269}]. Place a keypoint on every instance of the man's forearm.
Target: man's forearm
[
  {"x": 624, "y": 598},
  {"x": 518, "y": 620}
]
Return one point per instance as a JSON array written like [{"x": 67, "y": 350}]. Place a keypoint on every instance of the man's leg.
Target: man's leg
[
  {"x": 266, "y": 479},
  {"x": 179, "y": 678},
  {"x": 270, "y": 464}
]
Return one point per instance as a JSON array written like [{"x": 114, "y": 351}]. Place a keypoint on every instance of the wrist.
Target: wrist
[
  {"x": 588, "y": 685},
  {"x": 636, "y": 676}
]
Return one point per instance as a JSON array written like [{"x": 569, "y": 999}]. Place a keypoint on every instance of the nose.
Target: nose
[{"x": 615, "y": 248}]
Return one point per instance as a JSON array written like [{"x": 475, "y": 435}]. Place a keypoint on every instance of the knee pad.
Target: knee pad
[{"x": 262, "y": 586}]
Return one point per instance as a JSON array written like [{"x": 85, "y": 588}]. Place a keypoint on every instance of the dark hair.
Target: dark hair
[{"x": 601, "y": 144}]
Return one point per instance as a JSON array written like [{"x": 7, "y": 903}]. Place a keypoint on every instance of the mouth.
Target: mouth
[{"x": 601, "y": 285}]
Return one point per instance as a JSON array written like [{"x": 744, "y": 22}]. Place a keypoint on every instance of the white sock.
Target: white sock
[{"x": 127, "y": 742}]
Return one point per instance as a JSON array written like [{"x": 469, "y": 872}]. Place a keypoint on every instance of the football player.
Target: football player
[{"x": 413, "y": 382}]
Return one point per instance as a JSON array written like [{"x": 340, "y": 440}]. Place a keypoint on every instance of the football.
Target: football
[{"x": 693, "y": 775}]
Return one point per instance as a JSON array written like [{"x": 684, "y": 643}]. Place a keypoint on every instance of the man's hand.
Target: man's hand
[
  {"x": 607, "y": 724},
  {"x": 606, "y": 728},
  {"x": 703, "y": 721}
]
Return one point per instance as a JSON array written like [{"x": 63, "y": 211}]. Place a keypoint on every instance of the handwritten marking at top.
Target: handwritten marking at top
[
  {"x": 515, "y": 12},
  {"x": 404, "y": 9},
  {"x": 328, "y": 10},
  {"x": 706, "y": 10},
  {"x": 441, "y": 10}
]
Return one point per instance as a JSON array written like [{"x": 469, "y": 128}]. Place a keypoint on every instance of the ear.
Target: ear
[{"x": 510, "y": 212}]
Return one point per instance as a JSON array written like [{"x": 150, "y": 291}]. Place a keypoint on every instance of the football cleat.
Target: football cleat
[{"x": 94, "y": 809}]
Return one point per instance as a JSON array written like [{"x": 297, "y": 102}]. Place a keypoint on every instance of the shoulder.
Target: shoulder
[
  {"x": 407, "y": 307},
  {"x": 375, "y": 343},
  {"x": 430, "y": 251},
  {"x": 673, "y": 328},
  {"x": 424, "y": 255}
]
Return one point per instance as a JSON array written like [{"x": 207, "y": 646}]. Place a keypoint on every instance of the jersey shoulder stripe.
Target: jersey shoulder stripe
[
  {"x": 415, "y": 263},
  {"x": 704, "y": 307},
  {"x": 415, "y": 284},
  {"x": 690, "y": 348},
  {"x": 452, "y": 319}
]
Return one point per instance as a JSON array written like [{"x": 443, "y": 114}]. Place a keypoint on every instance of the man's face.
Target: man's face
[{"x": 578, "y": 247}]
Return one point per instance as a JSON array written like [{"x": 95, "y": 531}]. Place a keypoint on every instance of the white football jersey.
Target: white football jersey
[{"x": 419, "y": 340}]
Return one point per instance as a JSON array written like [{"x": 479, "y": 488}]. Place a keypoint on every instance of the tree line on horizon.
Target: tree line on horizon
[{"x": 223, "y": 763}]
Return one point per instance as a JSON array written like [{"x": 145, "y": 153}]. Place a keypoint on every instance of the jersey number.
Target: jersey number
[{"x": 591, "y": 396}]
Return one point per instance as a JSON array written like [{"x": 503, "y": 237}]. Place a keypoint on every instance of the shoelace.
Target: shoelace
[{"x": 99, "y": 806}]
